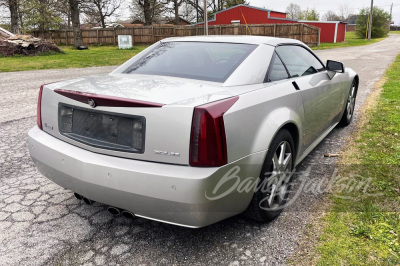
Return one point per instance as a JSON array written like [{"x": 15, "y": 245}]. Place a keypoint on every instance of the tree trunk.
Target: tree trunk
[
  {"x": 148, "y": 18},
  {"x": 13, "y": 6},
  {"x": 69, "y": 20},
  {"x": 176, "y": 7},
  {"x": 102, "y": 20},
  {"x": 76, "y": 24}
]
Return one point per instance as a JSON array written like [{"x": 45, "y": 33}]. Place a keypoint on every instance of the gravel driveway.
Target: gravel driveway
[{"x": 41, "y": 223}]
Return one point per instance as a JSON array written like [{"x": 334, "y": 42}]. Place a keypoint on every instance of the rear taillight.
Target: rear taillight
[
  {"x": 208, "y": 141},
  {"x": 39, "y": 108}
]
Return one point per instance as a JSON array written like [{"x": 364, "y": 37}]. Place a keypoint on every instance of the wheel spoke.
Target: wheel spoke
[
  {"x": 287, "y": 160},
  {"x": 275, "y": 162},
  {"x": 282, "y": 153},
  {"x": 272, "y": 196}
]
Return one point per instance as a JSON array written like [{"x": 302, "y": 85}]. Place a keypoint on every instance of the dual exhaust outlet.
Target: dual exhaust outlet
[{"x": 110, "y": 209}]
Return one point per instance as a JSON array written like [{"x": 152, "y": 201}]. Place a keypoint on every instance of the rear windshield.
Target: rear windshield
[{"x": 194, "y": 60}]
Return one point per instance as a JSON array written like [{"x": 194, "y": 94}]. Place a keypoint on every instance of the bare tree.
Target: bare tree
[
  {"x": 64, "y": 10},
  {"x": 331, "y": 16},
  {"x": 187, "y": 12},
  {"x": 76, "y": 24},
  {"x": 198, "y": 8},
  {"x": 344, "y": 12},
  {"x": 231, "y": 3},
  {"x": 148, "y": 11},
  {"x": 293, "y": 11},
  {"x": 176, "y": 5},
  {"x": 102, "y": 9}
]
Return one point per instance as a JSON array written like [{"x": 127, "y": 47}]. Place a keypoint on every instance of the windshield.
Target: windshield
[{"x": 194, "y": 60}]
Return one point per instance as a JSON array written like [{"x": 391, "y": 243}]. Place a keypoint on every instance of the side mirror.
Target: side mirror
[{"x": 334, "y": 67}]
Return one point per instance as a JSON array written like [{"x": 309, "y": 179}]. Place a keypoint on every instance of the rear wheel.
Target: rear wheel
[
  {"x": 273, "y": 190},
  {"x": 349, "y": 109}
]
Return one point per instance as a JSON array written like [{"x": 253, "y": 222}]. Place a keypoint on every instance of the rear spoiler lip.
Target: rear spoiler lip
[{"x": 93, "y": 99}]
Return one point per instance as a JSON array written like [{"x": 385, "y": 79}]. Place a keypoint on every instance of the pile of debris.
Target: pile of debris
[{"x": 11, "y": 44}]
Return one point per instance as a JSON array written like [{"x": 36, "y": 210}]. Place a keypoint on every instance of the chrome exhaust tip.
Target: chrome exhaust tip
[
  {"x": 79, "y": 197},
  {"x": 128, "y": 214},
  {"x": 88, "y": 201},
  {"x": 114, "y": 210}
]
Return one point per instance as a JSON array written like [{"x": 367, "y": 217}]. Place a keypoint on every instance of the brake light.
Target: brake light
[
  {"x": 208, "y": 141},
  {"x": 39, "y": 108}
]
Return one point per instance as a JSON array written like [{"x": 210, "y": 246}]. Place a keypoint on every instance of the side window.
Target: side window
[
  {"x": 278, "y": 70},
  {"x": 298, "y": 60}
]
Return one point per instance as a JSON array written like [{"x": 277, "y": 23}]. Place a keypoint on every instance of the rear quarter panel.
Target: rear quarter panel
[{"x": 257, "y": 116}]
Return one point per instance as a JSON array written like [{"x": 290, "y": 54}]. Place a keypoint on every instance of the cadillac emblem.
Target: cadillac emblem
[{"x": 92, "y": 103}]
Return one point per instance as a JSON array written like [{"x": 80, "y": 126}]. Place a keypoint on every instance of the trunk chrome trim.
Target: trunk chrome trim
[{"x": 94, "y": 100}]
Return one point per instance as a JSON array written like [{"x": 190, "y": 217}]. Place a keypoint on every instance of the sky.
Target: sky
[{"x": 322, "y": 6}]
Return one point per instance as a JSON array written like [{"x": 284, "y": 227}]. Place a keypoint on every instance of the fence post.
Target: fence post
[
  {"x": 97, "y": 35},
  {"x": 301, "y": 32},
  {"x": 66, "y": 37},
  {"x": 115, "y": 36},
  {"x": 133, "y": 36}
]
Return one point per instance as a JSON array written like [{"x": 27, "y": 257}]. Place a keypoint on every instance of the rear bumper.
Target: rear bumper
[{"x": 182, "y": 195}]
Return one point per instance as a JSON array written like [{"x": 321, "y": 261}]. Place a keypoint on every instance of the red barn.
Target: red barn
[{"x": 331, "y": 31}]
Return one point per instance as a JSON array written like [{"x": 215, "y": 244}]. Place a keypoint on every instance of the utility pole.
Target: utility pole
[
  {"x": 391, "y": 9},
  {"x": 370, "y": 20},
  {"x": 205, "y": 18}
]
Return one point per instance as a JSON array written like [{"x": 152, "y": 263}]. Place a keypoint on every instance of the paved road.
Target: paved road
[{"x": 41, "y": 223}]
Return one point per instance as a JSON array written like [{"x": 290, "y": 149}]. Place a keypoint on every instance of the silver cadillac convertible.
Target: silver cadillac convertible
[{"x": 192, "y": 130}]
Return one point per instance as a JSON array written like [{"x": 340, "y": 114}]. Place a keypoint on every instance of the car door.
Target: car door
[{"x": 321, "y": 95}]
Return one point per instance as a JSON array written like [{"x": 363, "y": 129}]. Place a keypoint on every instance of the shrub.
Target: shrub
[{"x": 380, "y": 23}]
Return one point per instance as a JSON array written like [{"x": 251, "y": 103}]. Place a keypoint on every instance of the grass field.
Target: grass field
[
  {"x": 364, "y": 228},
  {"x": 350, "y": 40},
  {"x": 395, "y": 32},
  {"x": 95, "y": 56}
]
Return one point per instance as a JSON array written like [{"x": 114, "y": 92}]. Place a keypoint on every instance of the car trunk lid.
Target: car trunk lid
[{"x": 139, "y": 117}]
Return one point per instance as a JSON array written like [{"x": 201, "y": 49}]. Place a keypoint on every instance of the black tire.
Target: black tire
[
  {"x": 349, "y": 108},
  {"x": 264, "y": 207}
]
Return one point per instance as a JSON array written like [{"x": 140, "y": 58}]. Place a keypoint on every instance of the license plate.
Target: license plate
[{"x": 104, "y": 130}]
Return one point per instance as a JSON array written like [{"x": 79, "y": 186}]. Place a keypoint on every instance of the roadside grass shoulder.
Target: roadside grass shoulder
[
  {"x": 71, "y": 58},
  {"x": 363, "y": 226},
  {"x": 395, "y": 31},
  {"x": 351, "y": 39}
]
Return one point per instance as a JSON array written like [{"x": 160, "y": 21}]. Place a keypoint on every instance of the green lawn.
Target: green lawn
[
  {"x": 395, "y": 32},
  {"x": 365, "y": 228},
  {"x": 350, "y": 40},
  {"x": 95, "y": 56}
]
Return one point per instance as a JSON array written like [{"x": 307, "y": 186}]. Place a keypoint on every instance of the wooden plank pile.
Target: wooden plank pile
[{"x": 11, "y": 44}]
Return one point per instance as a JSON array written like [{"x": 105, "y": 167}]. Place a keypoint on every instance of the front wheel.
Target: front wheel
[
  {"x": 349, "y": 109},
  {"x": 274, "y": 184}
]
